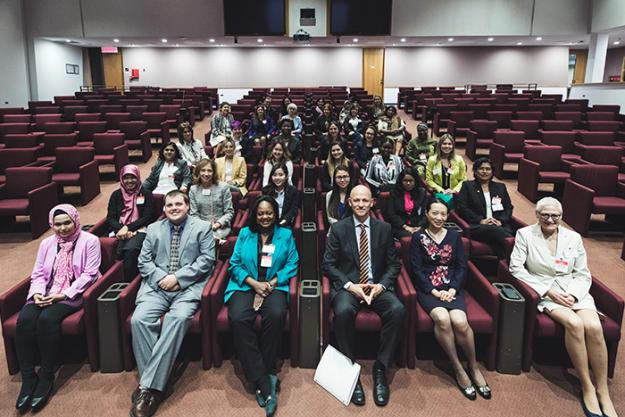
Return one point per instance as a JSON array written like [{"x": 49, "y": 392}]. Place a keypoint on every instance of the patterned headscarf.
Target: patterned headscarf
[
  {"x": 130, "y": 212},
  {"x": 62, "y": 269}
]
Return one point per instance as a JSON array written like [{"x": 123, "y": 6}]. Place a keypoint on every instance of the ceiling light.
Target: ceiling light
[
  {"x": 616, "y": 43},
  {"x": 116, "y": 40},
  {"x": 177, "y": 45},
  {"x": 403, "y": 39},
  {"x": 259, "y": 40},
  {"x": 540, "y": 38},
  {"x": 450, "y": 40},
  {"x": 164, "y": 40},
  {"x": 355, "y": 39},
  {"x": 211, "y": 40},
  {"x": 519, "y": 43},
  {"x": 491, "y": 39},
  {"x": 67, "y": 40}
]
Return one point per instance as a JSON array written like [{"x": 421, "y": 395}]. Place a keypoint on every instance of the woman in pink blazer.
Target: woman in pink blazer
[{"x": 67, "y": 264}]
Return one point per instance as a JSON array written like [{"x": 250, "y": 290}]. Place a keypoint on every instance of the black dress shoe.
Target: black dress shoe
[
  {"x": 381, "y": 391},
  {"x": 358, "y": 397},
  {"x": 135, "y": 394},
  {"x": 469, "y": 392},
  {"x": 484, "y": 390},
  {"x": 146, "y": 404},
  {"x": 25, "y": 396},
  {"x": 589, "y": 413},
  {"x": 42, "y": 394}
]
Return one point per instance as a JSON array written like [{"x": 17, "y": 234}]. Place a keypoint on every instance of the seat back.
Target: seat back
[
  {"x": 21, "y": 141},
  {"x": 603, "y": 126},
  {"x": 13, "y": 128},
  {"x": 21, "y": 180},
  {"x": 111, "y": 108},
  {"x": 600, "y": 115},
  {"x": 132, "y": 130},
  {"x": 136, "y": 111},
  {"x": 557, "y": 125},
  {"x": 612, "y": 108},
  {"x": 529, "y": 115},
  {"x": 485, "y": 129},
  {"x": 511, "y": 139},
  {"x": 51, "y": 142},
  {"x": 545, "y": 108},
  {"x": 600, "y": 178},
  {"x": 39, "y": 120},
  {"x": 480, "y": 110},
  {"x": 530, "y": 127},
  {"x": 444, "y": 110},
  {"x": 564, "y": 139},
  {"x": 574, "y": 116},
  {"x": 547, "y": 156},
  {"x": 59, "y": 127},
  {"x": 501, "y": 117},
  {"x": 108, "y": 253},
  {"x": 114, "y": 119},
  {"x": 171, "y": 110},
  {"x": 70, "y": 159},
  {"x": 105, "y": 143},
  {"x": 16, "y": 118},
  {"x": 47, "y": 110},
  {"x": 603, "y": 155},
  {"x": 154, "y": 119},
  {"x": 462, "y": 118},
  {"x": 86, "y": 130},
  {"x": 69, "y": 112},
  {"x": 16, "y": 158},
  {"x": 87, "y": 117},
  {"x": 597, "y": 138},
  {"x": 153, "y": 104}
]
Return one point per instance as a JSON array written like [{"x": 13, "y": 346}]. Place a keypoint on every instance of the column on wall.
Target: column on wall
[{"x": 597, "y": 51}]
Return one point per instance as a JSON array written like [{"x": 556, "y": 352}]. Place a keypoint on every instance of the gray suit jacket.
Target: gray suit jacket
[{"x": 197, "y": 253}]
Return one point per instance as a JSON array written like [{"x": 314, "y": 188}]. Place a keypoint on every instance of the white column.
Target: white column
[{"x": 597, "y": 51}]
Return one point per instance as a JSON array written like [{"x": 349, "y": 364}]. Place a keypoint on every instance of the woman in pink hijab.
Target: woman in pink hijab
[
  {"x": 130, "y": 211},
  {"x": 67, "y": 264}
]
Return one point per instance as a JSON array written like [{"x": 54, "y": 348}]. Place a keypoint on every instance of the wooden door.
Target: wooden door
[
  {"x": 579, "y": 73},
  {"x": 373, "y": 71},
  {"x": 113, "y": 70}
]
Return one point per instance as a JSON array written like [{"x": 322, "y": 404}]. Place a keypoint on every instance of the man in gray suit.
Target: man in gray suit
[{"x": 177, "y": 257}]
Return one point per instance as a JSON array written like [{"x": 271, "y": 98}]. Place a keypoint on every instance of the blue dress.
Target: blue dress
[{"x": 438, "y": 266}]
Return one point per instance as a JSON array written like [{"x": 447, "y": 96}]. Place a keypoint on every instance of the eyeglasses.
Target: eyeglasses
[
  {"x": 546, "y": 216},
  {"x": 342, "y": 177}
]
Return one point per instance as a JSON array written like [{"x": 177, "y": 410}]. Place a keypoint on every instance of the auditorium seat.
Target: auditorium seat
[
  {"x": 158, "y": 127},
  {"x": 563, "y": 139},
  {"x": 507, "y": 147},
  {"x": 86, "y": 130},
  {"x": 110, "y": 149},
  {"x": 501, "y": 117},
  {"x": 76, "y": 166},
  {"x": 57, "y": 128},
  {"x": 542, "y": 165},
  {"x": 16, "y": 157},
  {"x": 137, "y": 137},
  {"x": 87, "y": 117},
  {"x": 114, "y": 119}
]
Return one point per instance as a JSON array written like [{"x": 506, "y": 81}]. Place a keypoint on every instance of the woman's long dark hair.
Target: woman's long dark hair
[
  {"x": 335, "y": 197},
  {"x": 270, "y": 188}
]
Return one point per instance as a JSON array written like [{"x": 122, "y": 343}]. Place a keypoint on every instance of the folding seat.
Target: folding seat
[
  {"x": 442, "y": 117},
  {"x": 23, "y": 140},
  {"x": 16, "y": 118},
  {"x": 86, "y": 130},
  {"x": 172, "y": 114},
  {"x": 424, "y": 106},
  {"x": 16, "y": 157},
  {"x": 129, "y": 102},
  {"x": 556, "y": 97},
  {"x": 53, "y": 141},
  {"x": 480, "y": 110},
  {"x": 76, "y": 166},
  {"x": 458, "y": 124},
  {"x": 87, "y": 117},
  {"x": 568, "y": 108},
  {"x": 507, "y": 147},
  {"x": 591, "y": 138},
  {"x": 530, "y": 127},
  {"x": 69, "y": 101},
  {"x": 158, "y": 127},
  {"x": 521, "y": 103},
  {"x": 200, "y": 326},
  {"x": 13, "y": 128},
  {"x": 564, "y": 139},
  {"x": 605, "y": 155},
  {"x": 114, "y": 119},
  {"x": 542, "y": 336},
  {"x": 480, "y": 135},
  {"x": 604, "y": 126},
  {"x": 529, "y": 115},
  {"x": 110, "y": 149},
  {"x": 574, "y": 116},
  {"x": 545, "y": 108},
  {"x": 136, "y": 111},
  {"x": 486, "y": 100},
  {"x": 506, "y": 107},
  {"x": 482, "y": 312},
  {"x": 136, "y": 136},
  {"x": 154, "y": 104},
  {"x": 560, "y": 125},
  {"x": 39, "y": 121},
  {"x": 81, "y": 325},
  {"x": 111, "y": 108},
  {"x": 501, "y": 117},
  {"x": 28, "y": 191},
  {"x": 94, "y": 104},
  {"x": 57, "y": 128},
  {"x": 47, "y": 110},
  {"x": 448, "y": 98},
  {"x": 600, "y": 116},
  {"x": 593, "y": 189},
  {"x": 542, "y": 165},
  {"x": 610, "y": 108},
  {"x": 192, "y": 111},
  {"x": 581, "y": 102},
  {"x": 500, "y": 98},
  {"x": 69, "y": 112}
]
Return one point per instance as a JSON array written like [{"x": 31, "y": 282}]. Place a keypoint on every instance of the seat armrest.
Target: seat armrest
[
  {"x": 216, "y": 294},
  {"x": 608, "y": 302},
  {"x": 466, "y": 228},
  {"x": 99, "y": 228},
  {"x": 127, "y": 299},
  {"x": 620, "y": 190},
  {"x": 3, "y": 191},
  {"x": 12, "y": 300},
  {"x": 482, "y": 290}
]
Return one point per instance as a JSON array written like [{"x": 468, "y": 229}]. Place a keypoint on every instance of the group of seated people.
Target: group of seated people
[{"x": 176, "y": 256}]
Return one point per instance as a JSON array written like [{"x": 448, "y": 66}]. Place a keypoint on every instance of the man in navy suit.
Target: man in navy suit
[{"x": 362, "y": 265}]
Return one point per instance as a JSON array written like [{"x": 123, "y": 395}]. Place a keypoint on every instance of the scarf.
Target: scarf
[
  {"x": 130, "y": 212},
  {"x": 62, "y": 270}
]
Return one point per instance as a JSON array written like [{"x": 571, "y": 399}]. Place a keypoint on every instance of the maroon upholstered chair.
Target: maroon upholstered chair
[
  {"x": 82, "y": 325},
  {"x": 111, "y": 108},
  {"x": 86, "y": 130},
  {"x": 172, "y": 114},
  {"x": 459, "y": 123},
  {"x": 604, "y": 126},
  {"x": 18, "y": 157},
  {"x": 29, "y": 191},
  {"x": 611, "y": 108},
  {"x": 564, "y": 139},
  {"x": 154, "y": 104},
  {"x": 530, "y": 127},
  {"x": 58, "y": 128},
  {"x": 442, "y": 117},
  {"x": 158, "y": 126},
  {"x": 592, "y": 189},
  {"x": 136, "y": 111},
  {"x": 11, "y": 110},
  {"x": 53, "y": 141},
  {"x": 529, "y": 115},
  {"x": 558, "y": 125},
  {"x": 482, "y": 310},
  {"x": 69, "y": 112},
  {"x": 600, "y": 116},
  {"x": 136, "y": 136},
  {"x": 39, "y": 121},
  {"x": 541, "y": 331},
  {"x": 480, "y": 110},
  {"x": 114, "y": 119},
  {"x": 200, "y": 323},
  {"x": 591, "y": 138},
  {"x": 507, "y": 147},
  {"x": 110, "y": 149},
  {"x": 574, "y": 116},
  {"x": 16, "y": 118},
  {"x": 76, "y": 166},
  {"x": 605, "y": 155},
  {"x": 13, "y": 128},
  {"x": 501, "y": 117},
  {"x": 545, "y": 108},
  {"x": 47, "y": 110},
  {"x": 87, "y": 117},
  {"x": 542, "y": 165}
]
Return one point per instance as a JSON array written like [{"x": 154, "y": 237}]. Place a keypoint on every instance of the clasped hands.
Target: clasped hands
[
  {"x": 445, "y": 295},
  {"x": 124, "y": 233},
  {"x": 44, "y": 301},
  {"x": 561, "y": 298},
  {"x": 169, "y": 283},
  {"x": 491, "y": 220},
  {"x": 360, "y": 291}
]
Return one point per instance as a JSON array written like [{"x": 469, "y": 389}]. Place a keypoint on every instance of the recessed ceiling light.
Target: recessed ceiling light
[
  {"x": 116, "y": 40},
  {"x": 67, "y": 40},
  {"x": 540, "y": 38},
  {"x": 403, "y": 39},
  {"x": 211, "y": 40},
  {"x": 450, "y": 40},
  {"x": 519, "y": 43},
  {"x": 616, "y": 43},
  {"x": 491, "y": 39},
  {"x": 164, "y": 40},
  {"x": 259, "y": 40},
  {"x": 355, "y": 39},
  {"x": 177, "y": 45}
]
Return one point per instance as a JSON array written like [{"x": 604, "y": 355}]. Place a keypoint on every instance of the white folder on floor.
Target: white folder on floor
[{"x": 337, "y": 374}]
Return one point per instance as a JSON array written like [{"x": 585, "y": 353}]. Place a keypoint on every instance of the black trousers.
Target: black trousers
[
  {"x": 39, "y": 330},
  {"x": 129, "y": 251},
  {"x": 258, "y": 357},
  {"x": 385, "y": 305},
  {"x": 493, "y": 235}
]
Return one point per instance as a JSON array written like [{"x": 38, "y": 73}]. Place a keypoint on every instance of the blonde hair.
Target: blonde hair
[
  {"x": 443, "y": 138},
  {"x": 330, "y": 160}
]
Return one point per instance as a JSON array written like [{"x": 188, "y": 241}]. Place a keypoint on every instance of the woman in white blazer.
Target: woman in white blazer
[{"x": 552, "y": 260}]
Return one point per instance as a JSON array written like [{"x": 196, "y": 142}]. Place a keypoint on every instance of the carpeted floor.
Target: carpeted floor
[{"x": 425, "y": 391}]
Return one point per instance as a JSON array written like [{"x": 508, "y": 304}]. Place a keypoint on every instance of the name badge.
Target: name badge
[
  {"x": 267, "y": 255},
  {"x": 436, "y": 171},
  {"x": 206, "y": 191},
  {"x": 140, "y": 200},
  {"x": 423, "y": 157},
  {"x": 562, "y": 266},
  {"x": 495, "y": 204},
  {"x": 375, "y": 151}
]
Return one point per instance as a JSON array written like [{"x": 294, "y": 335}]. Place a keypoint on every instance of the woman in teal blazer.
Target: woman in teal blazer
[{"x": 263, "y": 262}]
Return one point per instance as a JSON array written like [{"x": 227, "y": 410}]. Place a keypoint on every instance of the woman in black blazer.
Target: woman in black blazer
[
  {"x": 286, "y": 195},
  {"x": 486, "y": 206},
  {"x": 406, "y": 220},
  {"x": 177, "y": 174}
]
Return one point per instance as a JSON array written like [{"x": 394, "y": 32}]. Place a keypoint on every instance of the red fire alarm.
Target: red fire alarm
[{"x": 134, "y": 74}]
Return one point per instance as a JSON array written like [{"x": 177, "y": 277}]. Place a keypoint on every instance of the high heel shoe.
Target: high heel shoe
[
  {"x": 26, "y": 395},
  {"x": 271, "y": 404},
  {"x": 468, "y": 392},
  {"x": 589, "y": 413},
  {"x": 484, "y": 390}
]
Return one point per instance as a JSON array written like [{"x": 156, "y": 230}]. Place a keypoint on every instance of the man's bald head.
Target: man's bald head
[{"x": 361, "y": 202}]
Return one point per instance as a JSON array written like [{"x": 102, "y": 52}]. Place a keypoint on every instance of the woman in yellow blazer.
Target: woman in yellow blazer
[
  {"x": 445, "y": 171},
  {"x": 232, "y": 170}
]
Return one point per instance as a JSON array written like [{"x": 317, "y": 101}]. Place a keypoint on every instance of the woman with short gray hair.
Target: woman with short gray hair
[{"x": 552, "y": 261}]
